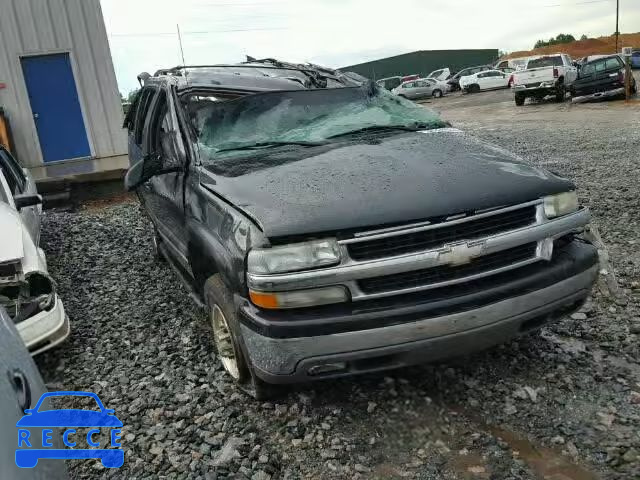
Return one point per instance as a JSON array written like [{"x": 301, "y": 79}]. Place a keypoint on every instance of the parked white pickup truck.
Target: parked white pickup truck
[{"x": 543, "y": 76}]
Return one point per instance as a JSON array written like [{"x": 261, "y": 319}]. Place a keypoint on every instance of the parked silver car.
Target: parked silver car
[{"x": 420, "y": 88}]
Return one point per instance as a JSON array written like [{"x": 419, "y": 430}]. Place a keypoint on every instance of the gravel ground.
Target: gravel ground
[{"x": 564, "y": 405}]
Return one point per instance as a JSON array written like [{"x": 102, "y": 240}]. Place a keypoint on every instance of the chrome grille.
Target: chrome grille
[
  {"x": 446, "y": 273},
  {"x": 470, "y": 229}
]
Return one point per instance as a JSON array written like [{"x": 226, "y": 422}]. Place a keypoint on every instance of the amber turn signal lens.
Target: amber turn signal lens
[{"x": 264, "y": 300}]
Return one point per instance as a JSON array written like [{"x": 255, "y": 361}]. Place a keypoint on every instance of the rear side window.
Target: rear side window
[
  {"x": 613, "y": 63},
  {"x": 144, "y": 103}
]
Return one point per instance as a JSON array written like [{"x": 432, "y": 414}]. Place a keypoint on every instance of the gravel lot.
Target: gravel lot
[{"x": 564, "y": 405}]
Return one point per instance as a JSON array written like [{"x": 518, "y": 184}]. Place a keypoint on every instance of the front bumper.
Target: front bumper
[
  {"x": 294, "y": 349},
  {"x": 616, "y": 92},
  {"x": 46, "y": 329}
]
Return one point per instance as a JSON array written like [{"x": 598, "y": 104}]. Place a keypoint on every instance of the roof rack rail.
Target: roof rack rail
[{"x": 277, "y": 65}]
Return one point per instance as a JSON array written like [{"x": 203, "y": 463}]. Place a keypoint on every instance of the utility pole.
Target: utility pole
[
  {"x": 628, "y": 75},
  {"x": 617, "y": 20}
]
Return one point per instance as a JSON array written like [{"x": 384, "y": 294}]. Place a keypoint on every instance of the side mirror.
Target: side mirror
[
  {"x": 24, "y": 201},
  {"x": 142, "y": 171}
]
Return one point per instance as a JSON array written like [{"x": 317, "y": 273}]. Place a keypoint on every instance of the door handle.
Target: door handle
[{"x": 21, "y": 386}]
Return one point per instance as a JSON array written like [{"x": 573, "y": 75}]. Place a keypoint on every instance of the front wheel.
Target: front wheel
[
  {"x": 519, "y": 99},
  {"x": 227, "y": 340},
  {"x": 560, "y": 93},
  {"x": 437, "y": 93}
]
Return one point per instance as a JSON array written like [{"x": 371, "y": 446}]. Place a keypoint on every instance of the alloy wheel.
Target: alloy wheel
[{"x": 224, "y": 342}]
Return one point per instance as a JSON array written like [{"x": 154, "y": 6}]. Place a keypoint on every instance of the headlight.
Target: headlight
[
  {"x": 300, "y": 298},
  {"x": 560, "y": 204},
  {"x": 293, "y": 257}
]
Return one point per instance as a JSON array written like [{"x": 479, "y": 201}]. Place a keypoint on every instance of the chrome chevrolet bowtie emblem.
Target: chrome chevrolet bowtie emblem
[{"x": 460, "y": 253}]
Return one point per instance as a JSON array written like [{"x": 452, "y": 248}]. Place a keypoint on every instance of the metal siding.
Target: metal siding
[
  {"x": 60, "y": 23},
  {"x": 27, "y": 30},
  {"x": 41, "y": 18},
  {"x": 423, "y": 62},
  {"x": 14, "y": 98},
  {"x": 30, "y": 27},
  {"x": 112, "y": 118}
]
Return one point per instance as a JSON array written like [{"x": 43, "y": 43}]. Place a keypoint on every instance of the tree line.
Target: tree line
[{"x": 559, "y": 39}]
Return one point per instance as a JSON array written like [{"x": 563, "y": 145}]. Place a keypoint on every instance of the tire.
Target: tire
[
  {"x": 227, "y": 341},
  {"x": 437, "y": 93},
  {"x": 519, "y": 99},
  {"x": 473, "y": 88},
  {"x": 560, "y": 93}
]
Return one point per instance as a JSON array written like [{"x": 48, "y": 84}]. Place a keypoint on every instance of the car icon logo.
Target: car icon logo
[{"x": 34, "y": 445}]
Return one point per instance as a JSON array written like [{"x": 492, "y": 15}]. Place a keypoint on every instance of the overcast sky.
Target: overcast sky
[{"x": 339, "y": 32}]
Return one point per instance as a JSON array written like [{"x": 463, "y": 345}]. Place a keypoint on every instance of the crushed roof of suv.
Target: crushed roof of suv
[{"x": 267, "y": 74}]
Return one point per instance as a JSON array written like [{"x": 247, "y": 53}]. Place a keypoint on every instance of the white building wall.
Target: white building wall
[{"x": 30, "y": 27}]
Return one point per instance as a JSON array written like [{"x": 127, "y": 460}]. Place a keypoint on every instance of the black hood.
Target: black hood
[{"x": 374, "y": 182}]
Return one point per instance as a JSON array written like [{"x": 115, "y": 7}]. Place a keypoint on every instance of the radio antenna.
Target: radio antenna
[{"x": 181, "y": 48}]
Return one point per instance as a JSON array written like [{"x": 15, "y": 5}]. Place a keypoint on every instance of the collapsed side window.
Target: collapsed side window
[
  {"x": 12, "y": 172},
  {"x": 164, "y": 136},
  {"x": 145, "y": 100},
  {"x": 130, "y": 116}
]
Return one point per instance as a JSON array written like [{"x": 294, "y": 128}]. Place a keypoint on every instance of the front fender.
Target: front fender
[{"x": 219, "y": 238}]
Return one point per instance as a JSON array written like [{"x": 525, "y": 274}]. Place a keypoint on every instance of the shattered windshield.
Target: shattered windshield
[{"x": 304, "y": 117}]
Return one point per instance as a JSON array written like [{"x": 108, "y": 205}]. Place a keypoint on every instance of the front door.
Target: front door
[
  {"x": 56, "y": 109},
  {"x": 163, "y": 194}
]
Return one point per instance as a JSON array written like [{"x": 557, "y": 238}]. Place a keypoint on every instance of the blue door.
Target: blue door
[{"x": 55, "y": 106}]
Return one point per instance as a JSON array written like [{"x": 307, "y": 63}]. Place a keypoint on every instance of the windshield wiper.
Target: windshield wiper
[
  {"x": 253, "y": 146},
  {"x": 417, "y": 127}
]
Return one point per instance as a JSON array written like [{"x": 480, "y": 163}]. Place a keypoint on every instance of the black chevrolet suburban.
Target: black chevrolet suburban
[{"x": 332, "y": 228}]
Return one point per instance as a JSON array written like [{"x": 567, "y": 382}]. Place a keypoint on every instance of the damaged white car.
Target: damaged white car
[{"x": 27, "y": 291}]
